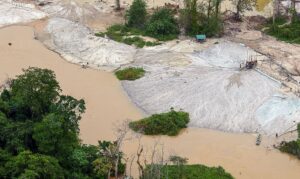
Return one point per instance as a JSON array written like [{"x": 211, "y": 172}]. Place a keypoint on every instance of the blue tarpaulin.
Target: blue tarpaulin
[{"x": 201, "y": 37}]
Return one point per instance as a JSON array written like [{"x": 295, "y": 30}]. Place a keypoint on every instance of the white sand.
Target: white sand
[
  {"x": 209, "y": 85},
  {"x": 79, "y": 45},
  {"x": 11, "y": 13}
]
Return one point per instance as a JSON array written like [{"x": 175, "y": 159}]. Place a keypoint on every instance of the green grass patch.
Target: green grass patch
[
  {"x": 169, "y": 123},
  {"x": 196, "y": 171},
  {"x": 289, "y": 33},
  {"x": 130, "y": 73},
  {"x": 129, "y": 36},
  {"x": 138, "y": 42},
  {"x": 292, "y": 147}
]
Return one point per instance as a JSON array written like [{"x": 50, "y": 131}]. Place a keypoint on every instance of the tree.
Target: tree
[
  {"x": 275, "y": 10},
  {"x": 242, "y": 6},
  {"x": 217, "y": 4},
  {"x": 33, "y": 93},
  {"x": 136, "y": 15},
  {"x": 29, "y": 165},
  {"x": 294, "y": 16},
  {"x": 118, "y": 6},
  {"x": 70, "y": 109},
  {"x": 111, "y": 156},
  {"x": 102, "y": 167},
  {"x": 52, "y": 138},
  {"x": 162, "y": 24},
  {"x": 189, "y": 17},
  {"x": 201, "y": 18},
  {"x": 48, "y": 134}
]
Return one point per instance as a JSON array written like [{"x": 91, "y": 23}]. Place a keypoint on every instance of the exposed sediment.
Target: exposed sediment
[
  {"x": 78, "y": 44},
  {"x": 13, "y": 12},
  {"x": 213, "y": 90}
]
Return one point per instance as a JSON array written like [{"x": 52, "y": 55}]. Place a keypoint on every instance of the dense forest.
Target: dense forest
[{"x": 39, "y": 132}]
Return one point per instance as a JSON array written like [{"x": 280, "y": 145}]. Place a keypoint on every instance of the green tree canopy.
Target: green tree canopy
[
  {"x": 33, "y": 92},
  {"x": 29, "y": 165},
  {"x": 162, "y": 23},
  {"x": 136, "y": 15}
]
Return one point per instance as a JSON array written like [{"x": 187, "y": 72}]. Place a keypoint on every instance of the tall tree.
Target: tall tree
[
  {"x": 33, "y": 93},
  {"x": 136, "y": 15},
  {"x": 118, "y": 6},
  {"x": 31, "y": 166},
  {"x": 217, "y": 4},
  {"x": 242, "y": 6}
]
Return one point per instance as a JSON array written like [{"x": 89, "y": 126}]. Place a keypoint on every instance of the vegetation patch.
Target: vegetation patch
[
  {"x": 292, "y": 147},
  {"x": 186, "y": 172},
  {"x": 201, "y": 18},
  {"x": 169, "y": 123},
  {"x": 284, "y": 32},
  {"x": 127, "y": 35},
  {"x": 130, "y": 73},
  {"x": 162, "y": 25}
]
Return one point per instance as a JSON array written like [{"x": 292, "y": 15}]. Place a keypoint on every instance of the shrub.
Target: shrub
[
  {"x": 169, "y": 123},
  {"x": 289, "y": 32},
  {"x": 137, "y": 41},
  {"x": 162, "y": 25},
  {"x": 120, "y": 33},
  {"x": 198, "y": 19},
  {"x": 136, "y": 15},
  {"x": 130, "y": 73},
  {"x": 292, "y": 147},
  {"x": 211, "y": 27},
  {"x": 185, "y": 171}
]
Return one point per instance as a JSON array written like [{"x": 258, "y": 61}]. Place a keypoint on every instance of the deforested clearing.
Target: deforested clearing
[
  {"x": 209, "y": 82},
  {"x": 221, "y": 97}
]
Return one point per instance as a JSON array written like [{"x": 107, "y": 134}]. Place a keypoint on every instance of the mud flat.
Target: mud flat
[{"x": 107, "y": 105}]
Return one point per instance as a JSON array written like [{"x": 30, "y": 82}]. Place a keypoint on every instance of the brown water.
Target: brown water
[{"x": 108, "y": 105}]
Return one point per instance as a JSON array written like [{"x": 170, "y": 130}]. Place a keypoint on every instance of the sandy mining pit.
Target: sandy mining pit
[
  {"x": 78, "y": 44},
  {"x": 210, "y": 86},
  {"x": 200, "y": 79}
]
